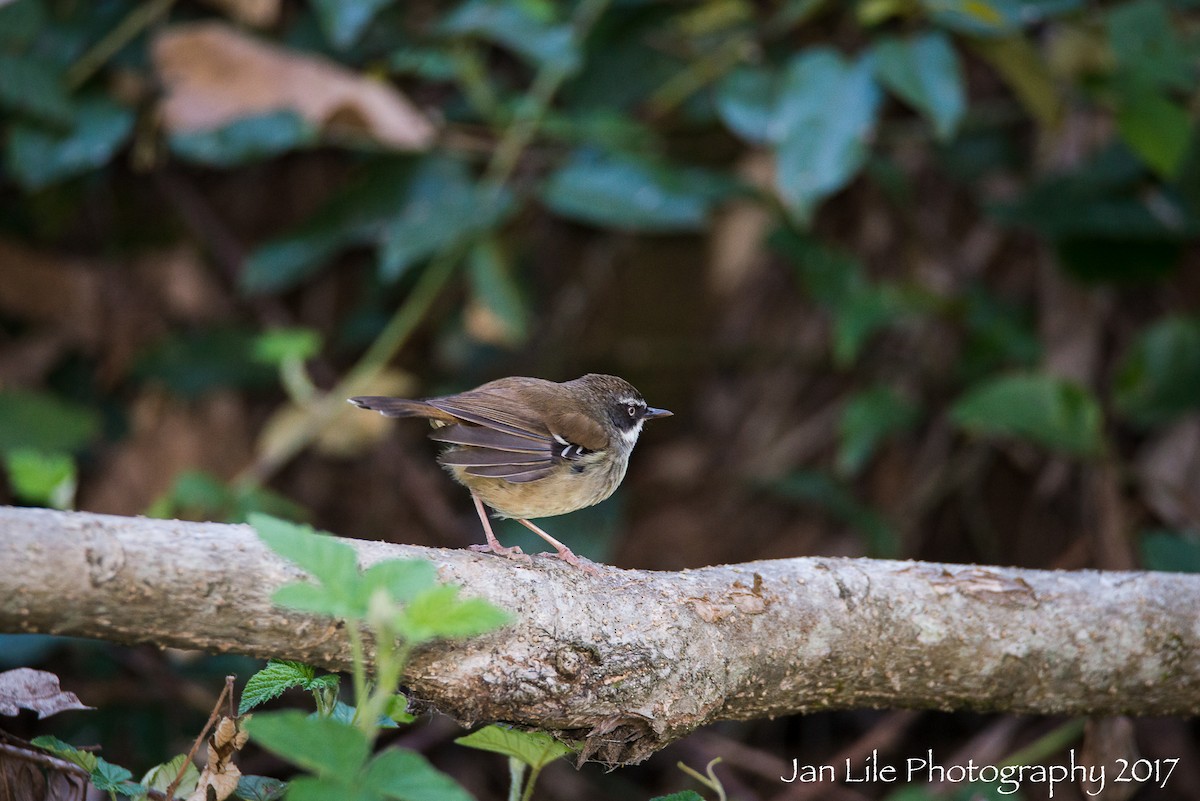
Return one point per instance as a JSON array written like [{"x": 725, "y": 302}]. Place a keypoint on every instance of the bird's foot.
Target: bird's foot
[
  {"x": 586, "y": 565},
  {"x": 514, "y": 553}
]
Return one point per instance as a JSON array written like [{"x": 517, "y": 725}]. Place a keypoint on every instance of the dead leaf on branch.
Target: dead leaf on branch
[
  {"x": 220, "y": 775},
  {"x": 213, "y": 75},
  {"x": 36, "y": 690}
]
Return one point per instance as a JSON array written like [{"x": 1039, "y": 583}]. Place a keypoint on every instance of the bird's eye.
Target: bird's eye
[{"x": 632, "y": 411}]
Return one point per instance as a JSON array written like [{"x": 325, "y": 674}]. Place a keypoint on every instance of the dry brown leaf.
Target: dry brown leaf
[
  {"x": 36, "y": 690},
  {"x": 220, "y": 776},
  {"x": 255, "y": 13},
  {"x": 214, "y": 75}
]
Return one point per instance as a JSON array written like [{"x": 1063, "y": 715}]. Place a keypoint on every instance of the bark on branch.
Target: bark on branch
[{"x": 631, "y": 660}]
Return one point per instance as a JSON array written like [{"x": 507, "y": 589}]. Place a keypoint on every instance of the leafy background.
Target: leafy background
[{"x": 918, "y": 278}]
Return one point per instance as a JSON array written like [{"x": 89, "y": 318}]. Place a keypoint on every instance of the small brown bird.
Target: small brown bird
[{"x": 531, "y": 448}]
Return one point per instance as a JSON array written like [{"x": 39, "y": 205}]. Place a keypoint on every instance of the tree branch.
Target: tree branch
[{"x": 631, "y": 660}]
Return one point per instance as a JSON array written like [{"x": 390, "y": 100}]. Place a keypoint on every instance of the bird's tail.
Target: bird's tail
[{"x": 396, "y": 407}]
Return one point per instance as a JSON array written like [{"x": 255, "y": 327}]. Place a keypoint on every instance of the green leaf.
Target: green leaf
[
  {"x": 870, "y": 417},
  {"x": 976, "y": 17},
  {"x": 333, "y": 563},
  {"x": 682, "y": 795},
  {"x": 818, "y": 489},
  {"x": 286, "y": 344},
  {"x": 192, "y": 363},
  {"x": 822, "y": 125},
  {"x": 31, "y": 86},
  {"x": 1041, "y": 409},
  {"x": 1173, "y": 551},
  {"x": 273, "y": 680},
  {"x": 513, "y": 26},
  {"x": 1159, "y": 378},
  {"x": 355, "y": 216},
  {"x": 322, "y": 746},
  {"x": 20, "y": 22},
  {"x": 398, "y": 709},
  {"x": 38, "y": 157},
  {"x": 1159, "y": 130},
  {"x": 1148, "y": 50},
  {"x": 310, "y": 788},
  {"x": 160, "y": 776},
  {"x": 402, "y": 579},
  {"x": 438, "y": 612},
  {"x": 260, "y": 788},
  {"x": 45, "y": 479},
  {"x": 110, "y": 778},
  {"x": 246, "y": 140},
  {"x": 63, "y": 750},
  {"x": 625, "y": 192},
  {"x": 746, "y": 98},
  {"x": 925, "y": 73},
  {"x": 407, "y": 776},
  {"x": 35, "y": 420},
  {"x": 343, "y": 21},
  {"x": 533, "y": 748},
  {"x": 444, "y": 209}
]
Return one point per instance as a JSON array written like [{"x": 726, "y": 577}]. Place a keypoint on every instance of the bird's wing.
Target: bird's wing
[{"x": 500, "y": 436}]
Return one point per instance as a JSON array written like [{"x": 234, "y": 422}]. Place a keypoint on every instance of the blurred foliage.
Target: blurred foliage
[{"x": 918, "y": 278}]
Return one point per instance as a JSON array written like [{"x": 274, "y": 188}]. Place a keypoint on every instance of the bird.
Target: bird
[{"x": 531, "y": 448}]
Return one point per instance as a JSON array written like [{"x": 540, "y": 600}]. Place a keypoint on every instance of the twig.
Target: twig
[{"x": 227, "y": 692}]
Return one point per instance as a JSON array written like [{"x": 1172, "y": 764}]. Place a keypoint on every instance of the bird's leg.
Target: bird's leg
[
  {"x": 564, "y": 553},
  {"x": 493, "y": 545}
]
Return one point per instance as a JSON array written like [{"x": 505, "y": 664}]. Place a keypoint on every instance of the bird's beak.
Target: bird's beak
[{"x": 651, "y": 413}]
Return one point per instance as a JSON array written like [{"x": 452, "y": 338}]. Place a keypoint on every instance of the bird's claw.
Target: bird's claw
[{"x": 514, "y": 553}]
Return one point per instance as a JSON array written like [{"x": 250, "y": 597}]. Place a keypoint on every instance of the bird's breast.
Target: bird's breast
[{"x": 572, "y": 486}]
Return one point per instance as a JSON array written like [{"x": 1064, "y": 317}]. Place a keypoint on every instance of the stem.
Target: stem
[
  {"x": 134, "y": 23},
  {"x": 358, "y": 666},
  {"x": 534, "y": 772},
  {"x": 1050, "y": 743},
  {"x": 516, "y": 774}
]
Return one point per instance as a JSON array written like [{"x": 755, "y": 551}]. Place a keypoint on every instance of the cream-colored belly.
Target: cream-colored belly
[{"x": 557, "y": 494}]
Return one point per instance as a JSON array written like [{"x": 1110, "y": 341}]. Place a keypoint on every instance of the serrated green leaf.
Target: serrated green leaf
[
  {"x": 822, "y": 125},
  {"x": 311, "y": 788},
  {"x": 43, "y": 422},
  {"x": 402, "y": 579},
  {"x": 1159, "y": 378},
  {"x": 533, "y": 748},
  {"x": 255, "y": 138},
  {"x": 630, "y": 193},
  {"x": 1041, "y": 409},
  {"x": 870, "y": 417},
  {"x": 437, "y": 612},
  {"x": 407, "y": 776},
  {"x": 322, "y": 746},
  {"x": 332, "y": 562},
  {"x": 273, "y": 680},
  {"x": 160, "y": 777},
  {"x": 110, "y": 778},
  {"x": 925, "y": 73},
  {"x": 64, "y": 750},
  {"x": 260, "y": 788},
  {"x": 38, "y": 157}
]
